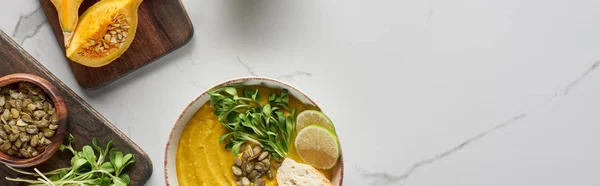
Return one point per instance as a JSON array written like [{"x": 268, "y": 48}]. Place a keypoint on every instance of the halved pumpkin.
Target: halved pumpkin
[
  {"x": 104, "y": 32},
  {"x": 68, "y": 14}
]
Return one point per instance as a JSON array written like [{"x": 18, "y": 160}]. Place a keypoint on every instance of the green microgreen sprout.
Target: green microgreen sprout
[
  {"x": 248, "y": 120},
  {"x": 87, "y": 168}
]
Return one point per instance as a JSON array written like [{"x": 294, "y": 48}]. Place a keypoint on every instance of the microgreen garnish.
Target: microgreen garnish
[
  {"x": 87, "y": 168},
  {"x": 250, "y": 121}
]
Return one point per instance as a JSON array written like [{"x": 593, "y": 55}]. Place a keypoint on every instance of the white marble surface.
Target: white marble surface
[{"x": 423, "y": 92}]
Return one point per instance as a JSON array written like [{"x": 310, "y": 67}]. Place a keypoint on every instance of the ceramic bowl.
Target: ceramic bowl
[
  {"x": 61, "y": 110},
  {"x": 190, "y": 110}
]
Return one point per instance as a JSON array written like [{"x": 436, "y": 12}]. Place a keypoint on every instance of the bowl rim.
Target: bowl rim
[
  {"x": 231, "y": 81},
  {"x": 61, "y": 110}
]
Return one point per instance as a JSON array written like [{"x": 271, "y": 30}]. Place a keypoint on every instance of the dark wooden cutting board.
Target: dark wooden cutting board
[
  {"x": 163, "y": 27},
  {"x": 85, "y": 123}
]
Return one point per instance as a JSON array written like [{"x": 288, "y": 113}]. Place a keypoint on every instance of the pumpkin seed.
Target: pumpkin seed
[
  {"x": 39, "y": 105},
  {"x": 263, "y": 155},
  {"x": 26, "y": 102},
  {"x": 254, "y": 175},
  {"x": 15, "y": 129},
  {"x": 15, "y": 113},
  {"x": 34, "y": 153},
  {"x": 54, "y": 119},
  {"x": 259, "y": 167},
  {"x": 259, "y": 182},
  {"x": 18, "y": 105},
  {"x": 237, "y": 161},
  {"x": 46, "y": 141},
  {"x": 257, "y": 149},
  {"x": 42, "y": 123},
  {"x": 21, "y": 123},
  {"x": 13, "y": 137},
  {"x": 6, "y": 114},
  {"x": 28, "y": 119},
  {"x": 14, "y": 95},
  {"x": 249, "y": 167},
  {"x": 12, "y": 122},
  {"x": 236, "y": 170},
  {"x": 12, "y": 103},
  {"x": 36, "y": 91},
  {"x": 243, "y": 167},
  {"x": 32, "y": 129},
  {"x": 34, "y": 140},
  {"x": 12, "y": 152},
  {"x": 23, "y": 137},
  {"x": 3, "y": 135},
  {"x": 270, "y": 174},
  {"x": 51, "y": 111},
  {"x": 39, "y": 114},
  {"x": 18, "y": 143},
  {"x": 276, "y": 165},
  {"x": 26, "y": 85},
  {"x": 40, "y": 148},
  {"x": 266, "y": 163},
  {"x": 47, "y": 105},
  {"x": 25, "y": 153},
  {"x": 245, "y": 181},
  {"x": 6, "y": 128},
  {"x": 48, "y": 132},
  {"x": 5, "y": 146}
]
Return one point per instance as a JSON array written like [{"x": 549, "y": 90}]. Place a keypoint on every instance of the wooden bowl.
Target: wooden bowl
[
  {"x": 190, "y": 110},
  {"x": 61, "y": 110}
]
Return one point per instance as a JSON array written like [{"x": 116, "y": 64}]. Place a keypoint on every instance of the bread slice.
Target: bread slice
[{"x": 292, "y": 173}]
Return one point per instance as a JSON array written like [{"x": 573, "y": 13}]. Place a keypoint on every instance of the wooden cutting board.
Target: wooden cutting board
[
  {"x": 85, "y": 123},
  {"x": 163, "y": 27}
]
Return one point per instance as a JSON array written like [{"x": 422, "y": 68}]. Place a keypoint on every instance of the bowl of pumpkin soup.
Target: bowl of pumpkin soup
[{"x": 241, "y": 132}]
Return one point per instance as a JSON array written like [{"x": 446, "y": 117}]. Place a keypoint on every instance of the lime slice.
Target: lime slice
[
  {"x": 318, "y": 147},
  {"x": 313, "y": 117}
]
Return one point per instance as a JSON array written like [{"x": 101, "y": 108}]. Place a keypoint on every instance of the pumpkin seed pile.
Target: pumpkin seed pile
[
  {"x": 114, "y": 38},
  {"x": 28, "y": 119},
  {"x": 253, "y": 164}
]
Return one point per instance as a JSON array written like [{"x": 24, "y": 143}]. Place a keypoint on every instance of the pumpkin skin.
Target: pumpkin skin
[
  {"x": 68, "y": 15},
  {"x": 95, "y": 24}
]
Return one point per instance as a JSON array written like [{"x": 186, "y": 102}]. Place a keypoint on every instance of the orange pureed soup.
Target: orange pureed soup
[{"x": 201, "y": 160}]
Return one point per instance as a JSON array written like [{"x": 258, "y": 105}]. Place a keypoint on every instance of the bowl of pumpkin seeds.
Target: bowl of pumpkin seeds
[{"x": 33, "y": 120}]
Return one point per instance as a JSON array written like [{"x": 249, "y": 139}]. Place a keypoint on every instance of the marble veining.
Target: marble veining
[
  {"x": 292, "y": 75},
  {"x": 385, "y": 178},
  {"x": 289, "y": 76},
  {"x": 485, "y": 96},
  {"x": 430, "y": 12},
  {"x": 248, "y": 68},
  {"x": 29, "y": 25}
]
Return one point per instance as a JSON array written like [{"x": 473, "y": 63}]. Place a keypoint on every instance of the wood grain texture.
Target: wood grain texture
[
  {"x": 163, "y": 26},
  {"x": 85, "y": 123}
]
